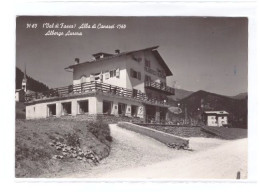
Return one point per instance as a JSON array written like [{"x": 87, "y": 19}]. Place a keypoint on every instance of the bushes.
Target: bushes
[
  {"x": 72, "y": 139},
  {"x": 100, "y": 130}
]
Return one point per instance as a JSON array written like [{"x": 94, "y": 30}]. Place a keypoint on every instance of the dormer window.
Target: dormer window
[
  {"x": 101, "y": 55},
  {"x": 135, "y": 74}
]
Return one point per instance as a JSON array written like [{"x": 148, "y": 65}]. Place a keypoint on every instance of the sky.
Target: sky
[{"x": 203, "y": 53}]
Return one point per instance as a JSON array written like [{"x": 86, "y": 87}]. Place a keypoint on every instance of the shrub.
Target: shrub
[
  {"x": 72, "y": 139},
  {"x": 109, "y": 138},
  {"x": 100, "y": 130}
]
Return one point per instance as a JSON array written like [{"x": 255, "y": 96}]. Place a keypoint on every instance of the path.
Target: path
[{"x": 131, "y": 150}]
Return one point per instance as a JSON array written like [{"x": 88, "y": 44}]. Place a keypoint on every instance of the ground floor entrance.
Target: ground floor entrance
[{"x": 155, "y": 114}]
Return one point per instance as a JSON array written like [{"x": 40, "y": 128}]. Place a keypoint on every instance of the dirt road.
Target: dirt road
[
  {"x": 131, "y": 150},
  {"x": 222, "y": 162}
]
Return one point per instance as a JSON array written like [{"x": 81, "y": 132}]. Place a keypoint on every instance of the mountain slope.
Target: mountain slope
[
  {"x": 240, "y": 96},
  {"x": 32, "y": 84},
  {"x": 180, "y": 94}
]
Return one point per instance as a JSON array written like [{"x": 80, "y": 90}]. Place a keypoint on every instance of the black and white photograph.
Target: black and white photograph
[{"x": 134, "y": 97}]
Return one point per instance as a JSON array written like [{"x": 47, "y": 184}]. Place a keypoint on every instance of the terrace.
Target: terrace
[
  {"x": 158, "y": 86},
  {"x": 92, "y": 88}
]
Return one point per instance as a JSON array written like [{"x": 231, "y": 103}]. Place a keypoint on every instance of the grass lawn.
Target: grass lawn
[
  {"x": 34, "y": 154},
  {"x": 182, "y": 131}
]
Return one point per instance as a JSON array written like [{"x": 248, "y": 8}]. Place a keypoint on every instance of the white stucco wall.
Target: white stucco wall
[
  {"x": 40, "y": 110},
  {"x": 16, "y": 96},
  {"x": 105, "y": 66},
  {"x": 213, "y": 120},
  {"x": 125, "y": 64},
  {"x": 36, "y": 111},
  {"x": 222, "y": 120},
  {"x": 139, "y": 66},
  {"x": 115, "y": 101}
]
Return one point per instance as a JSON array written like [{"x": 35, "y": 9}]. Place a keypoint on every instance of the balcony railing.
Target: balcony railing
[
  {"x": 92, "y": 87},
  {"x": 159, "y": 86}
]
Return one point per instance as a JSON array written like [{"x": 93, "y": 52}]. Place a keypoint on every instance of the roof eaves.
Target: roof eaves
[{"x": 113, "y": 56}]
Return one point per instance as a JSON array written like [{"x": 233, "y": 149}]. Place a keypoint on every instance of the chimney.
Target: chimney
[
  {"x": 76, "y": 61},
  {"x": 117, "y": 51}
]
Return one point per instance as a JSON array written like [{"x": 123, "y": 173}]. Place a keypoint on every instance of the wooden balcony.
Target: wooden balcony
[
  {"x": 91, "y": 88},
  {"x": 159, "y": 87}
]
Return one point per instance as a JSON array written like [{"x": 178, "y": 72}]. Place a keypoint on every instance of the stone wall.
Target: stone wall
[{"x": 163, "y": 137}]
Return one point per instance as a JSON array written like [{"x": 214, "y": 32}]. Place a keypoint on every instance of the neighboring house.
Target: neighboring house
[
  {"x": 19, "y": 95},
  {"x": 215, "y": 118},
  {"x": 129, "y": 84}
]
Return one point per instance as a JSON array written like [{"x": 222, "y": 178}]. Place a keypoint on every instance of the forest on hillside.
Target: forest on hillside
[{"x": 32, "y": 84}]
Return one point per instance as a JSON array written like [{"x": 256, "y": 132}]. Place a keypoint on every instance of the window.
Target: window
[
  {"x": 134, "y": 110},
  {"x": 117, "y": 73},
  {"x": 113, "y": 73},
  {"x": 147, "y": 63},
  {"x": 135, "y": 74},
  {"x": 66, "y": 108},
  {"x": 121, "y": 108},
  {"x": 83, "y": 107},
  {"x": 107, "y": 106},
  {"x": 97, "y": 78},
  {"x": 52, "y": 110}
]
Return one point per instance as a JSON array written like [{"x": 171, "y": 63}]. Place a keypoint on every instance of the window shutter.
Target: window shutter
[
  {"x": 139, "y": 75},
  {"x": 107, "y": 75},
  {"x": 117, "y": 73},
  {"x": 92, "y": 78},
  {"x": 131, "y": 72},
  {"x": 101, "y": 76}
]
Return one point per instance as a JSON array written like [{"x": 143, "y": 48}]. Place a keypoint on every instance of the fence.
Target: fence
[{"x": 89, "y": 87}]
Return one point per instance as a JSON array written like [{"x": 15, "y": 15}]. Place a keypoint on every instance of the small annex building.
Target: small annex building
[{"x": 215, "y": 118}]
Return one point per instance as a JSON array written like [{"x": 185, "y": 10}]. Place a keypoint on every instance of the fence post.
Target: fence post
[{"x": 95, "y": 86}]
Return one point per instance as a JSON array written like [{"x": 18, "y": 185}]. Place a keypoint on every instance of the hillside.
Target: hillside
[
  {"x": 180, "y": 94},
  {"x": 203, "y": 101},
  {"x": 49, "y": 147},
  {"x": 240, "y": 96},
  {"x": 32, "y": 84}
]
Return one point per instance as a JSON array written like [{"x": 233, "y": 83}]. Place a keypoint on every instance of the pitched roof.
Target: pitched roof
[{"x": 111, "y": 56}]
